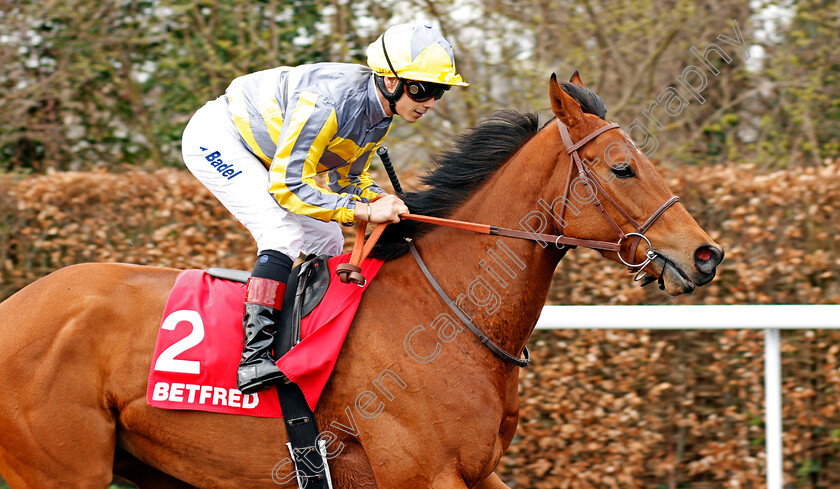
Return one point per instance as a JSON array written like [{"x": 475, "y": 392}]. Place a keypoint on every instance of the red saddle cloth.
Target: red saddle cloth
[{"x": 200, "y": 342}]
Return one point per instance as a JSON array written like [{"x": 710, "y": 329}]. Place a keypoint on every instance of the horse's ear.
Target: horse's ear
[
  {"x": 563, "y": 105},
  {"x": 576, "y": 79}
]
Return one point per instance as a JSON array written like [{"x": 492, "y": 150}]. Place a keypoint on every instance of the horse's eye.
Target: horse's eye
[{"x": 625, "y": 171}]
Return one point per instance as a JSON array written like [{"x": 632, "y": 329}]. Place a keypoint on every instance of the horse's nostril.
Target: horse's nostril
[{"x": 706, "y": 258}]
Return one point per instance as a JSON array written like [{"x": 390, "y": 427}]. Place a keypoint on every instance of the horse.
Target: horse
[{"x": 414, "y": 400}]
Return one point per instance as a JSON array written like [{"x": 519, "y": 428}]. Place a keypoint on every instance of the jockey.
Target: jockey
[{"x": 259, "y": 147}]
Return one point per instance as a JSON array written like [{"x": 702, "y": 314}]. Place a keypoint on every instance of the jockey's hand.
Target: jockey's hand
[{"x": 384, "y": 209}]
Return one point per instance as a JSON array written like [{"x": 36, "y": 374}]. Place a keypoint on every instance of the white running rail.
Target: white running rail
[{"x": 770, "y": 318}]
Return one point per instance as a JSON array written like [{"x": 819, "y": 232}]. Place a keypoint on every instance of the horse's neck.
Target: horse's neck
[{"x": 504, "y": 281}]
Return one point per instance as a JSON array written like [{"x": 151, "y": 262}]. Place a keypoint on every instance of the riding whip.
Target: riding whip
[{"x": 389, "y": 168}]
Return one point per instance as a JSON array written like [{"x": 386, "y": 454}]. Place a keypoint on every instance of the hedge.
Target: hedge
[{"x": 599, "y": 409}]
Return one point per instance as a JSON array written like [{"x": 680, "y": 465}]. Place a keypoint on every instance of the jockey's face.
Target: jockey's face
[
  {"x": 411, "y": 110},
  {"x": 407, "y": 108}
]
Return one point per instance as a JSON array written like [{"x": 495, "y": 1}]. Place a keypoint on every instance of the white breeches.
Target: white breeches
[{"x": 214, "y": 153}]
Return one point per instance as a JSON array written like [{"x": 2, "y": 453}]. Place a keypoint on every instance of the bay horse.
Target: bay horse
[{"x": 415, "y": 401}]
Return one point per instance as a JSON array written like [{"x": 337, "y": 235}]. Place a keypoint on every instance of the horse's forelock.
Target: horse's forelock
[{"x": 590, "y": 102}]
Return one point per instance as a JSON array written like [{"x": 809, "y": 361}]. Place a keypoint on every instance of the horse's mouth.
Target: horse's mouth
[{"x": 676, "y": 281}]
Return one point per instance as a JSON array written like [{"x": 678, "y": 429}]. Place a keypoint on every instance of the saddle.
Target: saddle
[{"x": 307, "y": 286}]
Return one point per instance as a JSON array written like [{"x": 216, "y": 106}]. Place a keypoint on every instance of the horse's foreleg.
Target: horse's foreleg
[
  {"x": 457, "y": 482},
  {"x": 127, "y": 467},
  {"x": 453, "y": 482},
  {"x": 492, "y": 482}
]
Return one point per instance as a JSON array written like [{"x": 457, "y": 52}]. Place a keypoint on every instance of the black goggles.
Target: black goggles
[{"x": 421, "y": 91}]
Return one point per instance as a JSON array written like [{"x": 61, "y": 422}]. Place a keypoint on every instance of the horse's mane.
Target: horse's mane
[{"x": 470, "y": 161}]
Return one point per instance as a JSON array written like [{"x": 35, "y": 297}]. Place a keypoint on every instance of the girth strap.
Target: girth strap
[
  {"x": 485, "y": 340},
  {"x": 308, "y": 451}
]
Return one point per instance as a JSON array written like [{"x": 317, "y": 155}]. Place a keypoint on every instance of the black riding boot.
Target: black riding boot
[{"x": 263, "y": 300}]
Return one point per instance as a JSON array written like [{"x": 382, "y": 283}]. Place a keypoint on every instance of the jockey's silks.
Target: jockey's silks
[{"x": 312, "y": 119}]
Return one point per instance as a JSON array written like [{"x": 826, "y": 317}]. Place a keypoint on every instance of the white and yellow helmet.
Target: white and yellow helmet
[{"x": 414, "y": 52}]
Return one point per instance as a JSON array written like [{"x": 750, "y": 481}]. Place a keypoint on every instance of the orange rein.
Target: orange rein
[{"x": 351, "y": 271}]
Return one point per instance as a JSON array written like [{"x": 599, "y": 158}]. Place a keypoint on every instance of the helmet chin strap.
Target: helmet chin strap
[{"x": 391, "y": 97}]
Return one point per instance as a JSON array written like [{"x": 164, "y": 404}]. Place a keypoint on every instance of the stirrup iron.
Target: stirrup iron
[{"x": 303, "y": 456}]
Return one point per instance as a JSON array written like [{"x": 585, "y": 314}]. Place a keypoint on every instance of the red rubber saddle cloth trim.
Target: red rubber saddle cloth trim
[{"x": 200, "y": 341}]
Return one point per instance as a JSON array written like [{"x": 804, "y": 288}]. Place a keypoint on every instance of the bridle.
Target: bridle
[
  {"x": 351, "y": 271},
  {"x": 594, "y": 186}
]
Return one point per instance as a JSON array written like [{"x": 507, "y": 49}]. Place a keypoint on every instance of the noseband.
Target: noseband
[{"x": 594, "y": 186}]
